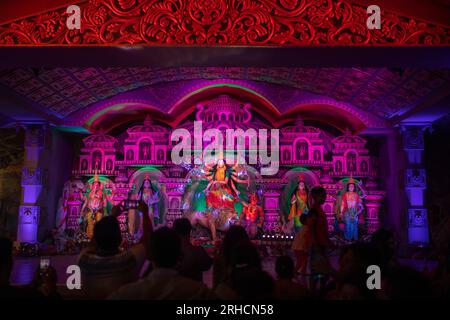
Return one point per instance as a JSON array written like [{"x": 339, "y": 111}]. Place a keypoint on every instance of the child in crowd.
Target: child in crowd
[{"x": 302, "y": 244}]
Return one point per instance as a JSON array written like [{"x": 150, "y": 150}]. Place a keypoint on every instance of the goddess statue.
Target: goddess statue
[
  {"x": 94, "y": 205},
  {"x": 349, "y": 208},
  {"x": 299, "y": 203},
  {"x": 217, "y": 203},
  {"x": 151, "y": 195}
]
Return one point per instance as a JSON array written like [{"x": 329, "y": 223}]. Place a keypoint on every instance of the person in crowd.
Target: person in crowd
[
  {"x": 440, "y": 276},
  {"x": 384, "y": 241},
  {"x": 248, "y": 281},
  {"x": 253, "y": 284},
  {"x": 194, "y": 259},
  {"x": 8, "y": 291},
  {"x": 320, "y": 226},
  {"x": 285, "y": 287},
  {"x": 164, "y": 282},
  {"x": 349, "y": 281},
  {"x": 221, "y": 264},
  {"x": 45, "y": 281},
  {"x": 405, "y": 283},
  {"x": 104, "y": 266},
  {"x": 244, "y": 256},
  {"x": 302, "y": 244},
  {"x": 319, "y": 235}
]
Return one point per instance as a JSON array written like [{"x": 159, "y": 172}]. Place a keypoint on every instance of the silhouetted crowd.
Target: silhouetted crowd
[{"x": 166, "y": 265}]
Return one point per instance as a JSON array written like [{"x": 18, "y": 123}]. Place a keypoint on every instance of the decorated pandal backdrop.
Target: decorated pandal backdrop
[{"x": 111, "y": 168}]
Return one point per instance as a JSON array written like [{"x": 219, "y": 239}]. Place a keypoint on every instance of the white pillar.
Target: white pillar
[
  {"x": 415, "y": 181},
  {"x": 29, "y": 209}
]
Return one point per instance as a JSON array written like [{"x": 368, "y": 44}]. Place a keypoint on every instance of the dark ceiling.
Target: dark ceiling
[{"x": 384, "y": 92}]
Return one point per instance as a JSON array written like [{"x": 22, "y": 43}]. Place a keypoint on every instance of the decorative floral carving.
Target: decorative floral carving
[
  {"x": 222, "y": 22},
  {"x": 413, "y": 136},
  {"x": 415, "y": 178},
  {"x": 31, "y": 176},
  {"x": 29, "y": 214},
  {"x": 418, "y": 217}
]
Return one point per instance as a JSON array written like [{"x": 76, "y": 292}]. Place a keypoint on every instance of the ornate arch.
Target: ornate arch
[
  {"x": 138, "y": 176},
  {"x": 221, "y": 23}
]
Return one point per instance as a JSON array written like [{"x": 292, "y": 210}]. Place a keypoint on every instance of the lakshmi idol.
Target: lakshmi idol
[
  {"x": 351, "y": 207},
  {"x": 299, "y": 203},
  {"x": 94, "y": 206}
]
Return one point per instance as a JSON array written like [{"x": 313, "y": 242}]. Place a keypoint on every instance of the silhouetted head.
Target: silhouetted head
[
  {"x": 284, "y": 267},
  {"x": 233, "y": 236},
  {"x": 107, "y": 235},
  {"x": 318, "y": 195},
  {"x": 182, "y": 227},
  {"x": 357, "y": 257},
  {"x": 165, "y": 248},
  {"x": 245, "y": 255},
  {"x": 353, "y": 263}
]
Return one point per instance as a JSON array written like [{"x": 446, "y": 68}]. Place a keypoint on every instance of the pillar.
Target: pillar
[
  {"x": 415, "y": 181},
  {"x": 32, "y": 186}
]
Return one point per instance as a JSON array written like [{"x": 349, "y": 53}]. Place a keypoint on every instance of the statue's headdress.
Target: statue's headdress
[{"x": 301, "y": 177}]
